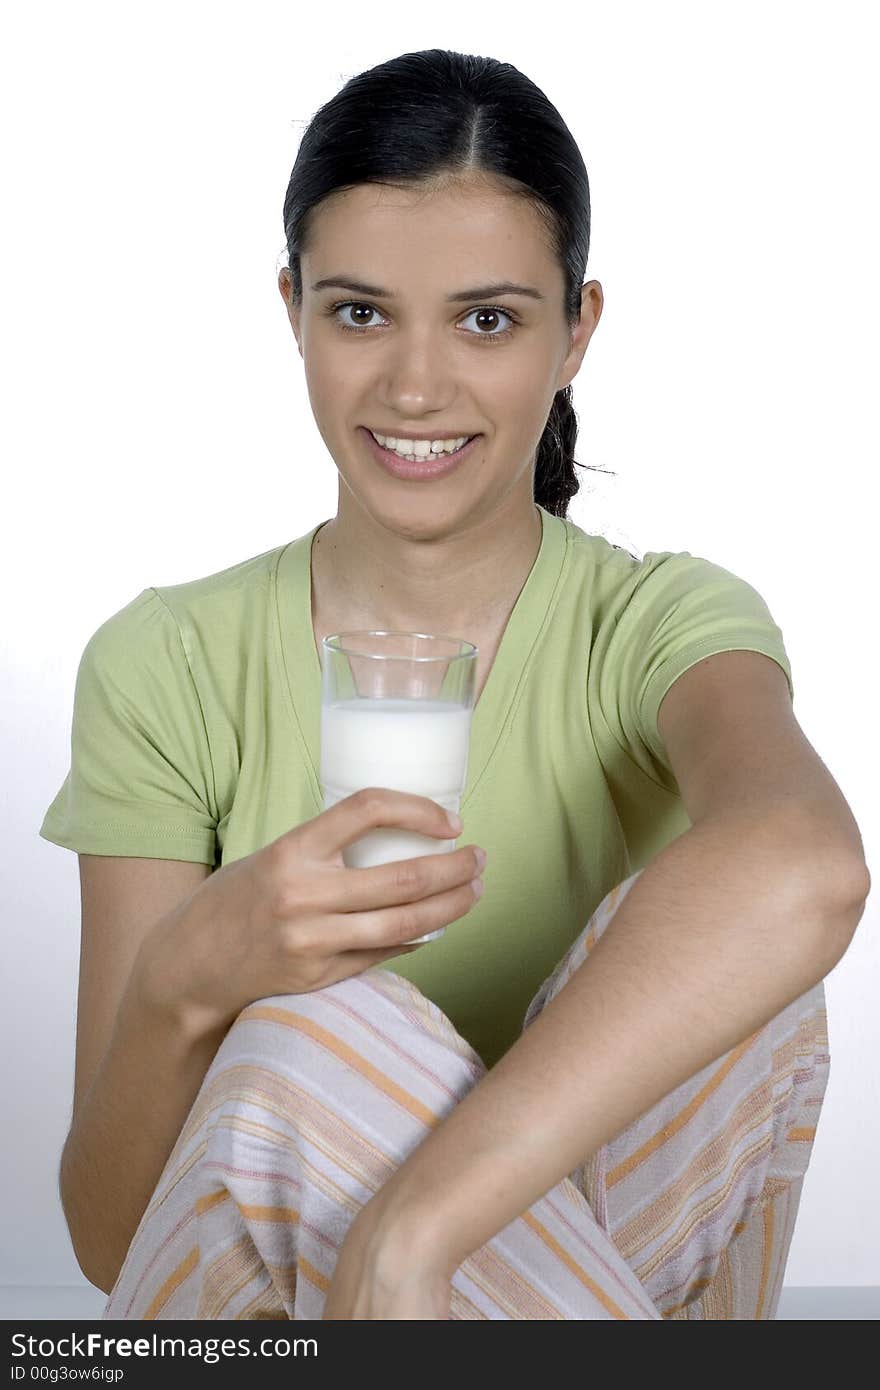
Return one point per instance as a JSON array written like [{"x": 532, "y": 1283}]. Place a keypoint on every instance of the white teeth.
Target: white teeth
[{"x": 419, "y": 448}]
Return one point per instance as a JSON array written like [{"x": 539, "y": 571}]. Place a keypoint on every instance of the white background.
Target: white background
[{"x": 157, "y": 426}]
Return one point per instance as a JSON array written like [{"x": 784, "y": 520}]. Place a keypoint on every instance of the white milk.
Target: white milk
[{"x": 418, "y": 746}]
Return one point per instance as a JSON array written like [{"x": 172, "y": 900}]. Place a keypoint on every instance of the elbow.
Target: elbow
[
  {"x": 864, "y": 883},
  {"x": 826, "y": 875},
  {"x": 848, "y": 881},
  {"x": 100, "y": 1278},
  {"x": 845, "y": 886}
]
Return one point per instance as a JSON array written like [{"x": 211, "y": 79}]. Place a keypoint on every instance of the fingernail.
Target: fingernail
[{"x": 455, "y": 821}]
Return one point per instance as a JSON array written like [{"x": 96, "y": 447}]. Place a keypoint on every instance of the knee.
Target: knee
[{"x": 375, "y": 1017}]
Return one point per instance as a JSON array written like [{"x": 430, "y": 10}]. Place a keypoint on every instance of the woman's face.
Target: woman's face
[{"x": 432, "y": 355}]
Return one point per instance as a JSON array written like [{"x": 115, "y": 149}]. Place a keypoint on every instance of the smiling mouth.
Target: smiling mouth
[
  {"x": 419, "y": 466},
  {"x": 431, "y": 456}
]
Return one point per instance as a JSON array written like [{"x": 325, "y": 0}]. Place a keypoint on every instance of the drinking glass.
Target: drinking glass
[{"x": 396, "y": 710}]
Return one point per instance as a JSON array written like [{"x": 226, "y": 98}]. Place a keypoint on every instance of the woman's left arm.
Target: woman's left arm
[{"x": 730, "y": 923}]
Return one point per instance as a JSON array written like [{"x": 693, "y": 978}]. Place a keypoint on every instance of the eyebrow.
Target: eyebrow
[{"x": 478, "y": 292}]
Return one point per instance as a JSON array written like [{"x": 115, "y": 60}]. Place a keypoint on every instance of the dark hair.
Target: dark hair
[{"x": 438, "y": 114}]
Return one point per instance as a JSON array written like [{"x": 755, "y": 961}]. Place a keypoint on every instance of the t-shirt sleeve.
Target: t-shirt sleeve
[
  {"x": 681, "y": 609},
  {"x": 141, "y": 779}
]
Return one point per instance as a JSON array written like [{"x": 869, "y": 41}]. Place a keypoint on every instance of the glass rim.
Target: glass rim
[{"x": 334, "y": 637}]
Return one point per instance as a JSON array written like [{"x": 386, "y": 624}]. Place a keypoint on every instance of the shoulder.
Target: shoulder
[
  {"x": 642, "y": 589},
  {"x": 160, "y": 629},
  {"x": 224, "y": 592}
]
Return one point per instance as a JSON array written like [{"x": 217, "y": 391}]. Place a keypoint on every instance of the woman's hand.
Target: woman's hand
[
  {"x": 380, "y": 1278},
  {"x": 292, "y": 917}
]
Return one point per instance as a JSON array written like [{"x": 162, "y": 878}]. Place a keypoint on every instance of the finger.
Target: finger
[
  {"x": 373, "y": 808},
  {"x": 392, "y": 885},
  {"x": 355, "y": 962},
  {"x": 395, "y": 926}
]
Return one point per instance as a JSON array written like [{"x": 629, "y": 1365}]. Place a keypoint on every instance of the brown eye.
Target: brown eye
[{"x": 352, "y": 306}]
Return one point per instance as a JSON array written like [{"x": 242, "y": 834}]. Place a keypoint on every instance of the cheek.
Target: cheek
[
  {"x": 334, "y": 380},
  {"x": 512, "y": 383},
  {"x": 327, "y": 387},
  {"x": 517, "y": 409}
]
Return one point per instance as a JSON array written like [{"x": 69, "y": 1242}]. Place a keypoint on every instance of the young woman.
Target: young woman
[{"x": 595, "y": 1095}]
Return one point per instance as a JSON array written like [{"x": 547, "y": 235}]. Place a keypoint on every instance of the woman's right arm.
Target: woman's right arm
[
  {"x": 164, "y": 975},
  {"x": 139, "y": 1066}
]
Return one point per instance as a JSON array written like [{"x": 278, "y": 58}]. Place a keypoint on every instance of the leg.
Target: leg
[
  {"x": 700, "y": 1193},
  {"x": 310, "y": 1103},
  {"x": 748, "y": 1281}
]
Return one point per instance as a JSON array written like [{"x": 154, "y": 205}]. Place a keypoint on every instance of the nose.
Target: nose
[{"x": 419, "y": 375}]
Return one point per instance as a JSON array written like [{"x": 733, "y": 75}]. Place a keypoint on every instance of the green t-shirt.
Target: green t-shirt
[{"x": 196, "y": 736}]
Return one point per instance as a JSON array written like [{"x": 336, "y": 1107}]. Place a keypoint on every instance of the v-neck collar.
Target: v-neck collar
[{"x": 513, "y": 659}]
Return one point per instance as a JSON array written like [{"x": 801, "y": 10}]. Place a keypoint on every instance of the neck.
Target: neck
[{"x": 456, "y": 584}]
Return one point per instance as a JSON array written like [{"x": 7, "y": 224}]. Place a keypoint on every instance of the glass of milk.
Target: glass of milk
[{"x": 396, "y": 712}]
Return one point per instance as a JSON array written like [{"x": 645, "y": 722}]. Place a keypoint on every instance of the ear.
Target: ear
[
  {"x": 592, "y": 301},
  {"x": 293, "y": 312}
]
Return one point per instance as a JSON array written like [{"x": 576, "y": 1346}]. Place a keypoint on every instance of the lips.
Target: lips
[{"x": 433, "y": 466}]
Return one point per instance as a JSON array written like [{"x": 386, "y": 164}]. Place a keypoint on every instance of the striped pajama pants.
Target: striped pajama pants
[{"x": 313, "y": 1100}]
